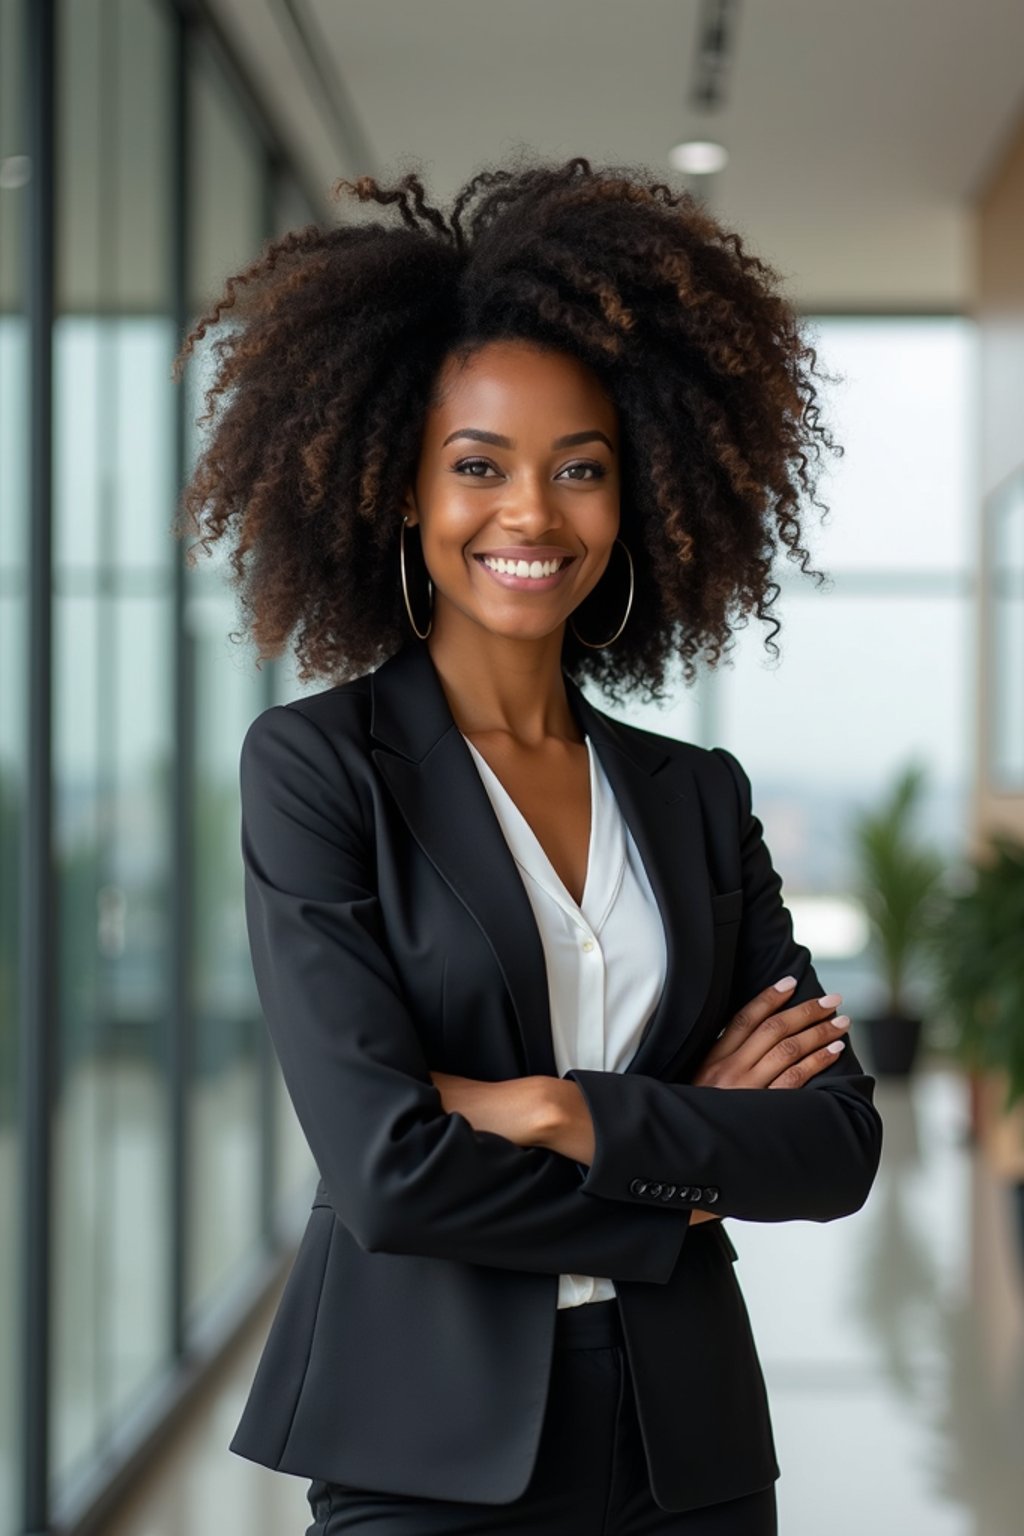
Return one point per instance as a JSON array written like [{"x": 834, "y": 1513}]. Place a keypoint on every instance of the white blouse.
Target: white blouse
[{"x": 605, "y": 958}]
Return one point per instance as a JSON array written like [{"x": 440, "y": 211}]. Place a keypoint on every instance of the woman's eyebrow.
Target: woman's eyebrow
[{"x": 570, "y": 440}]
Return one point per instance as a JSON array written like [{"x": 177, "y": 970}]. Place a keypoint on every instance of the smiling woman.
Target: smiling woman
[
  {"x": 562, "y": 507},
  {"x": 510, "y": 950},
  {"x": 674, "y": 341}
]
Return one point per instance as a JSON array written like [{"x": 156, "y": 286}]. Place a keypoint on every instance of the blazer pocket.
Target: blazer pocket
[{"x": 727, "y": 906}]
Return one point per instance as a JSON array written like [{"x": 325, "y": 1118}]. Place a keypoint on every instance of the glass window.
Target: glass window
[
  {"x": 902, "y": 496},
  {"x": 225, "y": 1125},
  {"x": 114, "y": 745},
  {"x": 876, "y": 670},
  {"x": 866, "y": 684},
  {"x": 1005, "y": 537},
  {"x": 116, "y": 759},
  {"x": 14, "y": 522}
]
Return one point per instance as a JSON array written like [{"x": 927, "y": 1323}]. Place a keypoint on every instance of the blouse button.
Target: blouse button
[{"x": 588, "y": 944}]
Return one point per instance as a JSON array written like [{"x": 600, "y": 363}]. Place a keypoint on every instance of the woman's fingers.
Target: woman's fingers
[
  {"x": 746, "y": 1019},
  {"x": 764, "y": 1044},
  {"x": 784, "y": 1039},
  {"x": 796, "y": 1073},
  {"x": 765, "y": 1006},
  {"x": 792, "y": 1059}
]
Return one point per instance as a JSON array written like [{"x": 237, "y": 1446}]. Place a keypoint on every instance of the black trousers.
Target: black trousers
[{"x": 590, "y": 1478}]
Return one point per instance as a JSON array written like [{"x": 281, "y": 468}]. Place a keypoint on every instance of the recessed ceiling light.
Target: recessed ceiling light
[{"x": 698, "y": 157}]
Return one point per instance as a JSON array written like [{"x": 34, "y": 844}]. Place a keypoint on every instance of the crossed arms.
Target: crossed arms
[{"x": 407, "y": 1176}]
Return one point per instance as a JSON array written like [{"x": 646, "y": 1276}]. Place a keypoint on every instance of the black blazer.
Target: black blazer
[{"x": 391, "y": 935}]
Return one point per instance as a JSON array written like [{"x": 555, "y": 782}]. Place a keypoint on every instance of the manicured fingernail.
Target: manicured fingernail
[
  {"x": 831, "y": 999},
  {"x": 785, "y": 984},
  {"x": 836, "y": 1046},
  {"x": 841, "y": 1021}
]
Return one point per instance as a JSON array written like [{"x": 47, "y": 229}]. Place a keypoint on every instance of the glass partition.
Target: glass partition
[
  {"x": 113, "y": 717},
  {"x": 14, "y": 578},
  {"x": 227, "y": 209},
  {"x": 1005, "y": 515}
]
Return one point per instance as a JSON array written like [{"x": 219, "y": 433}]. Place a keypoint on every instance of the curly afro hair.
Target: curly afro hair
[{"x": 335, "y": 339}]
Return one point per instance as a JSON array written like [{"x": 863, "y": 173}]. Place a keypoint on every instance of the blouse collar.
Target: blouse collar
[{"x": 606, "y": 856}]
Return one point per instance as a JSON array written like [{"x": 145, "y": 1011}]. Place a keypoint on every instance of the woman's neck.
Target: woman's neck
[{"x": 503, "y": 684}]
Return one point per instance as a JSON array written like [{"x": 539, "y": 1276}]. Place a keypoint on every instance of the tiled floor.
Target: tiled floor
[{"x": 892, "y": 1342}]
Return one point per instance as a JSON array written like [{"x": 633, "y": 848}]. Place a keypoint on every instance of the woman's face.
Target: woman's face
[{"x": 519, "y": 462}]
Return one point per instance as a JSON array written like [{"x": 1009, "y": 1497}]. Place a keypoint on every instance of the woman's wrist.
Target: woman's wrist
[
  {"x": 535, "y": 1111},
  {"x": 564, "y": 1121},
  {"x": 522, "y": 1109}
]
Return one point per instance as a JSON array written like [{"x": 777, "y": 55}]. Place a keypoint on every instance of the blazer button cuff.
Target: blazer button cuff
[
  {"x": 654, "y": 1190},
  {"x": 711, "y": 1195},
  {"x": 638, "y": 1186}
]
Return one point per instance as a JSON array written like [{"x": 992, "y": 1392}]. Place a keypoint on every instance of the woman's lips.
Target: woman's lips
[{"x": 527, "y": 583}]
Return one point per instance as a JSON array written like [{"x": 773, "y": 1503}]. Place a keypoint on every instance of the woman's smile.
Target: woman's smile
[{"x": 525, "y": 569}]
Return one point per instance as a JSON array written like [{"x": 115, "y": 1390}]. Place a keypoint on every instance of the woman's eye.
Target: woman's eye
[
  {"x": 473, "y": 464},
  {"x": 477, "y": 469},
  {"x": 599, "y": 470}
]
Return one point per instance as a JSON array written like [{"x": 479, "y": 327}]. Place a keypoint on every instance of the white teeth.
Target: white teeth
[{"x": 535, "y": 568}]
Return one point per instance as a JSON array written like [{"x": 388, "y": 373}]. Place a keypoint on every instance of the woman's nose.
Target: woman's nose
[{"x": 530, "y": 508}]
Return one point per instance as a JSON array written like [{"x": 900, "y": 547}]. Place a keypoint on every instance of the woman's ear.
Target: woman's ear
[{"x": 408, "y": 507}]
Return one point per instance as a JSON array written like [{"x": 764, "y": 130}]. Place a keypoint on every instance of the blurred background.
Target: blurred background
[{"x": 153, "y": 1181}]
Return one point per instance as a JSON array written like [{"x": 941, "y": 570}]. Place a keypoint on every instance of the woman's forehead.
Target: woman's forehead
[{"x": 500, "y": 376}]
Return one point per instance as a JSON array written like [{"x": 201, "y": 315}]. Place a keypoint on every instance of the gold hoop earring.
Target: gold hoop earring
[
  {"x": 599, "y": 645},
  {"x": 405, "y": 590}
]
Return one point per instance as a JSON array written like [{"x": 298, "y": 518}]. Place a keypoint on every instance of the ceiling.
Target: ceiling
[{"x": 860, "y": 134}]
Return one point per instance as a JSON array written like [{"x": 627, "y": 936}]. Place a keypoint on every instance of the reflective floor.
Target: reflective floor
[{"x": 892, "y": 1342}]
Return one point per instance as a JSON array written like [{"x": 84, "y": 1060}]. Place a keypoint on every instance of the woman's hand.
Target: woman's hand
[
  {"x": 764, "y": 1048},
  {"x": 518, "y": 1108}
]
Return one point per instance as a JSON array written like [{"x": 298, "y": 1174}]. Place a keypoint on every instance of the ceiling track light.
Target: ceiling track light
[{"x": 715, "y": 39}]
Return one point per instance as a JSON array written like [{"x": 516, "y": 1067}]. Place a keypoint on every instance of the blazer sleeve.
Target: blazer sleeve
[
  {"x": 760, "y": 1154},
  {"x": 402, "y": 1174}
]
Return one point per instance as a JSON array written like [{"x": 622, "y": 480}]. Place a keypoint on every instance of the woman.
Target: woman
[{"x": 527, "y": 969}]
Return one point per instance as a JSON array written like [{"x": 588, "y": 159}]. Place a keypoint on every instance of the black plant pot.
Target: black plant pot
[{"x": 893, "y": 1042}]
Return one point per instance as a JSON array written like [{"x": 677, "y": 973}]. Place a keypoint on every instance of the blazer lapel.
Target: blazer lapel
[
  {"x": 429, "y": 769},
  {"x": 658, "y": 798},
  {"x": 434, "y": 780}
]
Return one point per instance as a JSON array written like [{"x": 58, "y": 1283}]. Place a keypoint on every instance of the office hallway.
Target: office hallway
[{"x": 897, "y": 1383}]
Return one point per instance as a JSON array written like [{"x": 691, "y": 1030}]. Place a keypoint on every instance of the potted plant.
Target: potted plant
[
  {"x": 898, "y": 886},
  {"x": 977, "y": 943}
]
